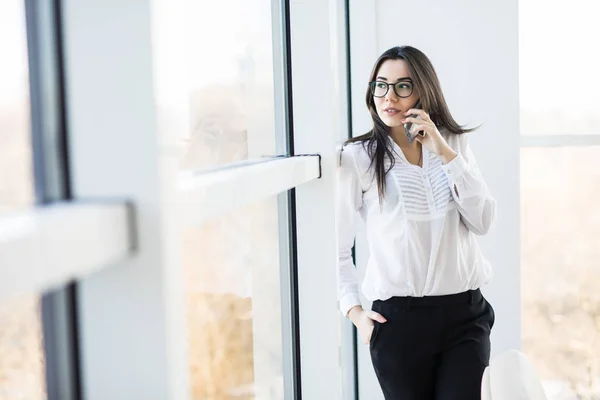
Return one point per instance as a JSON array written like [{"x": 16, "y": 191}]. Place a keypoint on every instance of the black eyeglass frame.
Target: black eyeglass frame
[{"x": 372, "y": 88}]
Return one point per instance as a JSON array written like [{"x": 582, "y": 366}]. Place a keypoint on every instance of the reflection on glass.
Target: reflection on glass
[
  {"x": 21, "y": 350},
  {"x": 560, "y": 218},
  {"x": 234, "y": 306},
  {"x": 230, "y": 87}
]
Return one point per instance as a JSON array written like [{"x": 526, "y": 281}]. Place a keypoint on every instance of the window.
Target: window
[
  {"x": 16, "y": 179},
  {"x": 235, "y": 286},
  {"x": 21, "y": 348},
  {"x": 234, "y": 305},
  {"x": 560, "y": 222},
  {"x": 558, "y": 90},
  {"x": 560, "y": 182},
  {"x": 127, "y": 309},
  {"x": 230, "y": 86}
]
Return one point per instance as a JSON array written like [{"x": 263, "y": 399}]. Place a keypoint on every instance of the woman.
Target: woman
[{"x": 423, "y": 201}]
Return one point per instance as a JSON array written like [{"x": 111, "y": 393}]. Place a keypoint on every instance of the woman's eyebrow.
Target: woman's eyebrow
[{"x": 398, "y": 80}]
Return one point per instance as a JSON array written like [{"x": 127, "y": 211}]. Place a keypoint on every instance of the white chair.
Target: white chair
[{"x": 510, "y": 376}]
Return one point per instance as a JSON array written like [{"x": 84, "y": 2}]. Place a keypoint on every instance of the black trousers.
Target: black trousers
[{"x": 432, "y": 348}]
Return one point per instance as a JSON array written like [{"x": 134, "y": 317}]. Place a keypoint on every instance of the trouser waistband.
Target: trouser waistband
[{"x": 408, "y": 302}]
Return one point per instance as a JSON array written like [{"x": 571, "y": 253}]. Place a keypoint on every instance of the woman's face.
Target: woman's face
[{"x": 391, "y": 107}]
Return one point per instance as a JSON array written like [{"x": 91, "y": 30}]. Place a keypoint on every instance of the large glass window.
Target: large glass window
[
  {"x": 16, "y": 179},
  {"x": 559, "y": 80},
  {"x": 232, "y": 263},
  {"x": 560, "y": 216},
  {"x": 21, "y": 350},
  {"x": 229, "y": 51},
  {"x": 234, "y": 305},
  {"x": 560, "y": 222}
]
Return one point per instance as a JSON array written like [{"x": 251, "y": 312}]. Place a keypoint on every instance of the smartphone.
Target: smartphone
[{"x": 408, "y": 127}]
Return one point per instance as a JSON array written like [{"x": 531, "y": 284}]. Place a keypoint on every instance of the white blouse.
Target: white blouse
[{"x": 422, "y": 238}]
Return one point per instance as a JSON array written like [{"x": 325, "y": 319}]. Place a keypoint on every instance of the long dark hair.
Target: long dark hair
[{"x": 432, "y": 101}]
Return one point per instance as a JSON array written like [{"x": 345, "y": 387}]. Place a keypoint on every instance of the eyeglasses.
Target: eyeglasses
[{"x": 402, "y": 89}]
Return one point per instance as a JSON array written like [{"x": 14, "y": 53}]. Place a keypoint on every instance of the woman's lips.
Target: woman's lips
[{"x": 391, "y": 111}]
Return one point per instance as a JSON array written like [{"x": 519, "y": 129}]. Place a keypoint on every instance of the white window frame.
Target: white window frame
[
  {"x": 44, "y": 247},
  {"x": 208, "y": 195},
  {"x": 318, "y": 53}
]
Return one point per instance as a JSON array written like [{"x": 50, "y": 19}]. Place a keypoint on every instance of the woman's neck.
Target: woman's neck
[{"x": 398, "y": 134}]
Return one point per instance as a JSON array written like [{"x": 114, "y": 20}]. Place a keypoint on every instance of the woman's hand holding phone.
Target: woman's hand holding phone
[{"x": 431, "y": 138}]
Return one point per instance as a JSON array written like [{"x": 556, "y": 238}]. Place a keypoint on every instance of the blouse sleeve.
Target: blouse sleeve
[
  {"x": 348, "y": 204},
  {"x": 474, "y": 201}
]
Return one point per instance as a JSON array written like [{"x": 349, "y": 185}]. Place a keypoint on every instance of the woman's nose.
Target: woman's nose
[{"x": 391, "y": 95}]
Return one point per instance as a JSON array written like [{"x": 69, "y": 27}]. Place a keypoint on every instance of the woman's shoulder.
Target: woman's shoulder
[
  {"x": 354, "y": 146},
  {"x": 354, "y": 159},
  {"x": 356, "y": 152},
  {"x": 458, "y": 142}
]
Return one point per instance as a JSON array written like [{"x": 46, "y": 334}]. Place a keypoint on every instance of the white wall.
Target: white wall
[{"x": 474, "y": 47}]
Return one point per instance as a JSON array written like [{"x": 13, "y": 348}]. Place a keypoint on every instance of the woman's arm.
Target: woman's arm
[
  {"x": 473, "y": 199},
  {"x": 476, "y": 205},
  {"x": 348, "y": 203}
]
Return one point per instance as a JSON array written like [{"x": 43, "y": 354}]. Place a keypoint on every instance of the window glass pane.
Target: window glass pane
[
  {"x": 229, "y": 54},
  {"x": 560, "y": 227},
  {"x": 16, "y": 181},
  {"x": 559, "y": 80},
  {"x": 226, "y": 95},
  {"x": 234, "y": 305},
  {"x": 21, "y": 349}
]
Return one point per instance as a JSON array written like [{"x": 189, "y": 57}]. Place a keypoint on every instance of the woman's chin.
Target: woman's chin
[{"x": 392, "y": 122}]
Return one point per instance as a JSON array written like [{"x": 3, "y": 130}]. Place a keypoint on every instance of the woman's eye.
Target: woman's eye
[{"x": 381, "y": 85}]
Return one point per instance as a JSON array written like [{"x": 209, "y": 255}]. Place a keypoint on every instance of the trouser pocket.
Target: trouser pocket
[{"x": 376, "y": 327}]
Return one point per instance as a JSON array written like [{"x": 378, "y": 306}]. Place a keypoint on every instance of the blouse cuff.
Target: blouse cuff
[
  {"x": 348, "y": 301},
  {"x": 455, "y": 168}
]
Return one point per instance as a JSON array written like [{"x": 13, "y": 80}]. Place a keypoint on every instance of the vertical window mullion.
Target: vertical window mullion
[
  {"x": 286, "y": 201},
  {"x": 51, "y": 175},
  {"x": 349, "y": 333}
]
